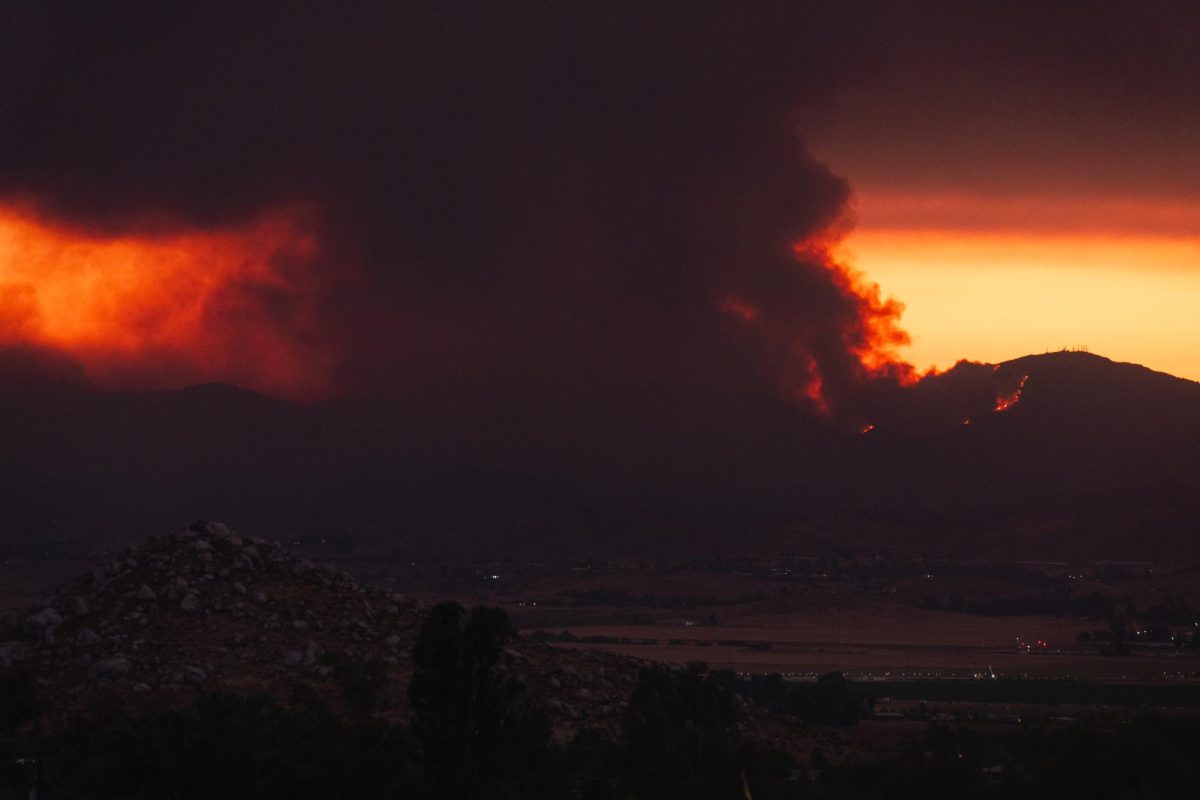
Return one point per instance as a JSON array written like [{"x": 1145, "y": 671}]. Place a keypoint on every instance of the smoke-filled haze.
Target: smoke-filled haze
[{"x": 548, "y": 230}]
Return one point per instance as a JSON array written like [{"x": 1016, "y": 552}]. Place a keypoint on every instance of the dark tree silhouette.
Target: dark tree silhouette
[
  {"x": 18, "y": 698},
  {"x": 481, "y": 738},
  {"x": 681, "y": 735}
]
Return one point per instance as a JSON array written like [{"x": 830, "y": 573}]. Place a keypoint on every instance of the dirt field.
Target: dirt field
[{"x": 891, "y": 642}]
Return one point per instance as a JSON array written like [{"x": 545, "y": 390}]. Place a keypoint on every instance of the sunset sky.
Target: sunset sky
[
  {"x": 989, "y": 278},
  {"x": 1027, "y": 178}
]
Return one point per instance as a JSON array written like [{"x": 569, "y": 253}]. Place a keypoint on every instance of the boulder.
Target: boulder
[
  {"x": 12, "y": 652},
  {"x": 110, "y": 668},
  {"x": 45, "y": 619}
]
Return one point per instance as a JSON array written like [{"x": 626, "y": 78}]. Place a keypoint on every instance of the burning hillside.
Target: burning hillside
[{"x": 166, "y": 307}]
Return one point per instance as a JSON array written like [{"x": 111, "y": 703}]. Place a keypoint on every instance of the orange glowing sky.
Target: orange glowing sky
[
  {"x": 993, "y": 277},
  {"x": 165, "y": 309}
]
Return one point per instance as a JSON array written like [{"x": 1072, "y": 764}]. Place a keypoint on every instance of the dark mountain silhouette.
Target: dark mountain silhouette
[
  {"x": 1080, "y": 422},
  {"x": 1082, "y": 434}
]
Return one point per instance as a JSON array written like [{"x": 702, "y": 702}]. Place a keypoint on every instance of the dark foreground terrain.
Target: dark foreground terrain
[{"x": 207, "y": 664}]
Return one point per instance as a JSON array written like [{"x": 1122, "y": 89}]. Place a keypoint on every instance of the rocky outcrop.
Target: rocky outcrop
[{"x": 206, "y": 608}]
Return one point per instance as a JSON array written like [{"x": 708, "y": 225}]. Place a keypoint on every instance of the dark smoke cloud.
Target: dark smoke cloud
[
  {"x": 530, "y": 216},
  {"x": 1073, "y": 99}
]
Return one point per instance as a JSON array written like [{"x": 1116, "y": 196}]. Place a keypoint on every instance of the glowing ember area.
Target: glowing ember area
[
  {"x": 166, "y": 309},
  {"x": 866, "y": 430},
  {"x": 740, "y": 309},
  {"x": 1010, "y": 399},
  {"x": 814, "y": 387},
  {"x": 831, "y": 348},
  {"x": 877, "y": 336}
]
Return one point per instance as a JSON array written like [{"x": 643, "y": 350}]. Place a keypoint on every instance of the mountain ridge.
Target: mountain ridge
[{"x": 106, "y": 466}]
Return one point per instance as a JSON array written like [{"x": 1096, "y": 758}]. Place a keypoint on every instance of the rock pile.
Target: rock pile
[{"x": 205, "y": 608}]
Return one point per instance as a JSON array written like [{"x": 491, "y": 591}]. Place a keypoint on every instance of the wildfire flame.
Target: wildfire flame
[
  {"x": 860, "y": 324},
  {"x": 1009, "y": 399},
  {"x": 874, "y": 341},
  {"x": 178, "y": 307}
]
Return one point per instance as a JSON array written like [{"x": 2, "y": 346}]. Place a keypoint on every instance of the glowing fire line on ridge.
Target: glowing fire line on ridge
[{"x": 1009, "y": 399}]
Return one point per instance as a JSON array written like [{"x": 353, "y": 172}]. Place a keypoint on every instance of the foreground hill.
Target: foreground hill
[
  {"x": 205, "y": 664},
  {"x": 205, "y": 610}
]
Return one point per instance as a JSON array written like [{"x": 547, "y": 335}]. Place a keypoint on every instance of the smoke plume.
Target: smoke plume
[{"x": 533, "y": 230}]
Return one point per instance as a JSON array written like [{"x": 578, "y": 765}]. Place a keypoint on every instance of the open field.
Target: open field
[
  {"x": 878, "y": 625},
  {"x": 892, "y": 642},
  {"x": 1040, "y": 692},
  {"x": 867, "y": 662}
]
